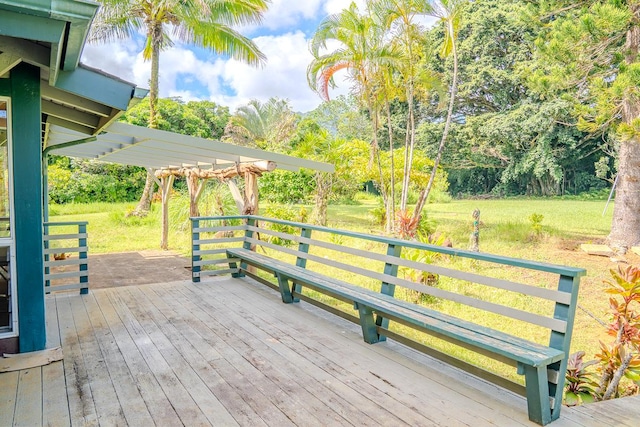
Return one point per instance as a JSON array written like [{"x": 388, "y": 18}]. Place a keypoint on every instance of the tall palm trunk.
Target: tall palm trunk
[
  {"x": 424, "y": 194},
  {"x": 392, "y": 180},
  {"x": 155, "y": 33},
  {"x": 409, "y": 147}
]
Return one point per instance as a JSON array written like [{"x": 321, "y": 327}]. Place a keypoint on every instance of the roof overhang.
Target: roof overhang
[
  {"x": 50, "y": 35},
  {"x": 127, "y": 144},
  {"x": 61, "y": 26}
]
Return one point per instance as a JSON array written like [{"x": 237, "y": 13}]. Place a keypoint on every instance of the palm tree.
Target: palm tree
[
  {"x": 266, "y": 125},
  {"x": 203, "y": 23},
  {"x": 399, "y": 17},
  {"x": 362, "y": 53},
  {"x": 448, "y": 12}
]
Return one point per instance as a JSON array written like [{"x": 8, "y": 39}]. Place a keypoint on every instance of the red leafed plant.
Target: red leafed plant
[
  {"x": 619, "y": 359},
  {"x": 406, "y": 225}
]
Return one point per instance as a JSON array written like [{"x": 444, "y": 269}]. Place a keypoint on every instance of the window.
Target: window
[{"x": 8, "y": 315}]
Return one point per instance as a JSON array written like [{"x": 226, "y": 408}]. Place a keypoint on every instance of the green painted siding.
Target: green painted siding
[{"x": 27, "y": 183}]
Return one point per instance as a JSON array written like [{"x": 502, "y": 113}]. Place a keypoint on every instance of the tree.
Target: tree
[
  {"x": 399, "y": 18},
  {"x": 266, "y": 125},
  {"x": 203, "y": 23},
  {"x": 204, "y": 119},
  {"x": 589, "y": 49},
  {"x": 348, "y": 157},
  {"x": 448, "y": 12},
  {"x": 362, "y": 52}
]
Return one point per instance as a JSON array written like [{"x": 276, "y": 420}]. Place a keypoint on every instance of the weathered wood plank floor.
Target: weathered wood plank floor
[{"x": 227, "y": 352}]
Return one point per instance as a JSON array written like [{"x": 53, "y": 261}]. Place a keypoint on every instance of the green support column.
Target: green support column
[{"x": 27, "y": 194}]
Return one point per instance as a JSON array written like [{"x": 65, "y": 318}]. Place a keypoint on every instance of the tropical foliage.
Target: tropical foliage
[{"x": 619, "y": 359}]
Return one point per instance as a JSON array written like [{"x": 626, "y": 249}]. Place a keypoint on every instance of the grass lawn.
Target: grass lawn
[{"x": 506, "y": 230}]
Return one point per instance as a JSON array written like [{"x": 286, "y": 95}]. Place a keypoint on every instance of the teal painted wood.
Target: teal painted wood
[
  {"x": 500, "y": 344},
  {"x": 248, "y": 234},
  {"x": 542, "y": 365},
  {"x": 5, "y": 87},
  {"x": 563, "y": 341},
  {"x": 22, "y": 26},
  {"x": 538, "y": 404},
  {"x": 300, "y": 261},
  {"x": 84, "y": 267},
  {"x": 285, "y": 291},
  {"x": 81, "y": 249},
  {"x": 515, "y": 262},
  {"x": 195, "y": 248},
  {"x": 533, "y": 360},
  {"x": 386, "y": 287},
  {"x": 47, "y": 268},
  {"x": 28, "y": 209},
  {"x": 97, "y": 87},
  {"x": 367, "y": 323}
]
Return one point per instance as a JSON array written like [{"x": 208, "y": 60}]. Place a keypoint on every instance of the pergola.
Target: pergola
[{"x": 168, "y": 155}]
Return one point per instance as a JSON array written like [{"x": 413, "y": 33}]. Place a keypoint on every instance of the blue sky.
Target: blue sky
[{"x": 196, "y": 74}]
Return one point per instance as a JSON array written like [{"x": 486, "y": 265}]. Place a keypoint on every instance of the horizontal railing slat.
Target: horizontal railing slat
[
  {"x": 49, "y": 237},
  {"x": 549, "y": 294},
  {"x": 61, "y": 262},
  {"x": 513, "y": 313},
  {"x": 216, "y": 241},
  {"x": 65, "y": 250},
  {"x": 210, "y": 251},
  {"x": 218, "y": 228},
  {"x": 68, "y": 287},
  {"x": 533, "y": 265},
  {"x": 65, "y": 275},
  {"x": 213, "y": 261}
]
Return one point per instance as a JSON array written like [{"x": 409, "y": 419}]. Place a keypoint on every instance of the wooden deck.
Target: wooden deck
[{"x": 227, "y": 352}]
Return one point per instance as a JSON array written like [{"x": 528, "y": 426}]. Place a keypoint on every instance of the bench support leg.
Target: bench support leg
[
  {"x": 538, "y": 400},
  {"x": 234, "y": 265},
  {"x": 296, "y": 289},
  {"x": 285, "y": 291},
  {"x": 369, "y": 330}
]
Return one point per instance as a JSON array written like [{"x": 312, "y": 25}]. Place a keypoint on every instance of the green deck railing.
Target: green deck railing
[{"x": 65, "y": 256}]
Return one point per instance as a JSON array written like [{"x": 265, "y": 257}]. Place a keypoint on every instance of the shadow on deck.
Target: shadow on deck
[{"x": 228, "y": 352}]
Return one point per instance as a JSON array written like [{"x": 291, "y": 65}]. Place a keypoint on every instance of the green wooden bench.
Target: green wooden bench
[{"x": 543, "y": 365}]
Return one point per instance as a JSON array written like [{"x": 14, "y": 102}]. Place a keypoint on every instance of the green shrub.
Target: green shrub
[{"x": 286, "y": 187}]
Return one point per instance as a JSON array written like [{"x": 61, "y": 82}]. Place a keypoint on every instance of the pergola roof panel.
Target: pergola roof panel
[{"x": 139, "y": 146}]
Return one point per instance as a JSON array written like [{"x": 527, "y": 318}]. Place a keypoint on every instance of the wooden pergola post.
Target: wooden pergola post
[
  {"x": 196, "y": 179},
  {"x": 166, "y": 182}
]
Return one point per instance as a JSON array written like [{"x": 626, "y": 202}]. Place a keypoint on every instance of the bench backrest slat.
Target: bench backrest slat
[
  {"x": 549, "y": 294},
  {"x": 379, "y": 266}
]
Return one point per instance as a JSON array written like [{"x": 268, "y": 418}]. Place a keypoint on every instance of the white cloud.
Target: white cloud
[
  {"x": 288, "y": 13},
  {"x": 335, "y": 6},
  {"x": 284, "y": 75}
]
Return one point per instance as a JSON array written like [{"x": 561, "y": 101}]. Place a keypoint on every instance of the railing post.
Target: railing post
[
  {"x": 195, "y": 247},
  {"x": 561, "y": 341},
  {"x": 390, "y": 269},
  {"x": 47, "y": 269},
  {"x": 301, "y": 262},
  {"x": 82, "y": 243},
  {"x": 248, "y": 234}
]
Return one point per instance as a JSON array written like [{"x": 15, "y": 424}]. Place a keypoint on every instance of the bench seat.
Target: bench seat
[{"x": 491, "y": 341}]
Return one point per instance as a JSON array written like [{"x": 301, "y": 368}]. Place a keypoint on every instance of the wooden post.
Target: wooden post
[
  {"x": 194, "y": 190},
  {"x": 475, "y": 236},
  {"x": 250, "y": 194},
  {"x": 166, "y": 184}
]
